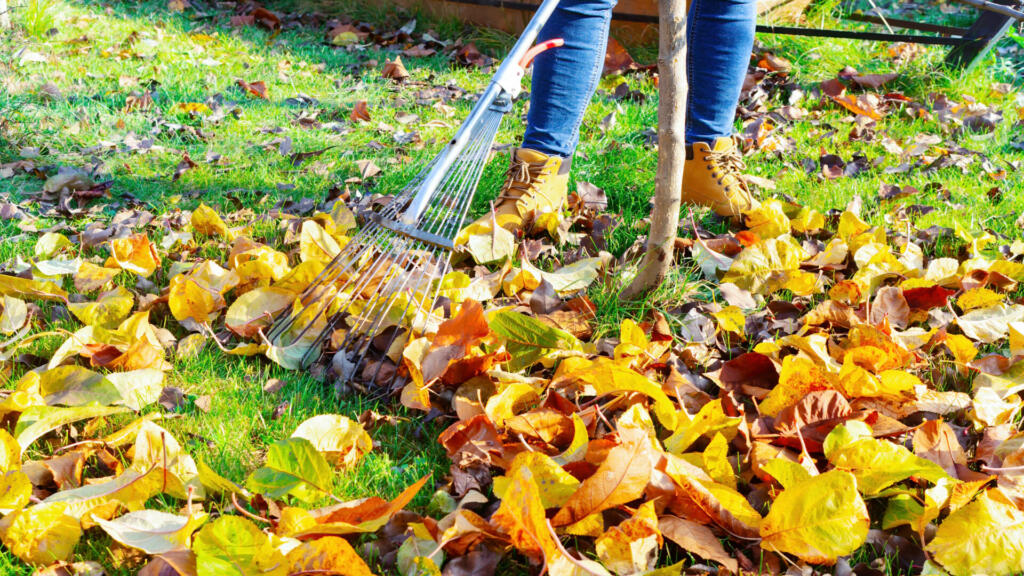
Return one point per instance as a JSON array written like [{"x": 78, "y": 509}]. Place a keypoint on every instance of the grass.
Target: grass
[{"x": 131, "y": 47}]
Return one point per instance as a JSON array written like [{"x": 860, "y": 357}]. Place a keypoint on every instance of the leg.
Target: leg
[
  {"x": 564, "y": 79},
  {"x": 720, "y": 37}
]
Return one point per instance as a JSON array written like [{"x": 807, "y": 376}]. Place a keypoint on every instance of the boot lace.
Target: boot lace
[
  {"x": 522, "y": 177},
  {"x": 728, "y": 166}
]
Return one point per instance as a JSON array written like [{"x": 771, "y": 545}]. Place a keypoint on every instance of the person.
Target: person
[{"x": 720, "y": 37}]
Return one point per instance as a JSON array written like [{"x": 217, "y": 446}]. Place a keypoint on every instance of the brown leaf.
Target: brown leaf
[
  {"x": 266, "y": 18},
  {"x": 936, "y": 441},
  {"x": 395, "y": 70},
  {"x": 616, "y": 58},
  {"x": 873, "y": 81},
  {"x": 185, "y": 165},
  {"x": 592, "y": 196},
  {"x": 620, "y": 478},
  {"x": 257, "y": 89},
  {"x": 696, "y": 539},
  {"x": 809, "y": 421},
  {"x": 751, "y": 373},
  {"x": 360, "y": 112},
  {"x": 890, "y": 304},
  {"x": 863, "y": 104}
]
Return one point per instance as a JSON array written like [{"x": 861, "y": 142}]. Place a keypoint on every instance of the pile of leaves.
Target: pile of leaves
[
  {"x": 848, "y": 402},
  {"x": 857, "y": 411}
]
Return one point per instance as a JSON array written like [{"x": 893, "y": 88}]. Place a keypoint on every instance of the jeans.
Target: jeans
[{"x": 720, "y": 36}]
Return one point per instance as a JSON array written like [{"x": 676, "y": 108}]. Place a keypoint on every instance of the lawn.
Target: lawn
[{"x": 148, "y": 99}]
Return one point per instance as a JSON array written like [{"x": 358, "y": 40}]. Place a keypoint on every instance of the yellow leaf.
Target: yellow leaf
[
  {"x": 798, "y": 377},
  {"x": 199, "y": 295},
  {"x": 711, "y": 419},
  {"x": 513, "y": 399},
  {"x": 26, "y": 289},
  {"x": 91, "y": 277},
  {"x": 555, "y": 485},
  {"x": 578, "y": 447},
  {"x": 877, "y": 464},
  {"x": 807, "y": 220},
  {"x": 315, "y": 244},
  {"x": 135, "y": 254},
  {"x": 331, "y": 554},
  {"x": 50, "y": 244},
  {"x": 13, "y": 315},
  {"x": 856, "y": 382},
  {"x": 962, "y": 348},
  {"x": 131, "y": 489},
  {"x": 769, "y": 220},
  {"x": 731, "y": 319},
  {"x": 756, "y": 264},
  {"x": 258, "y": 265},
  {"x": 1016, "y": 338},
  {"x": 234, "y": 546},
  {"x": 632, "y": 340},
  {"x": 632, "y": 546},
  {"x": 850, "y": 226},
  {"x": 976, "y": 298},
  {"x": 786, "y": 472},
  {"x": 256, "y": 310},
  {"x": 206, "y": 221},
  {"x": 716, "y": 461},
  {"x": 984, "y": 537},
  {"x": 990, "y": 324},
  {"x": 342, "y": 441},
  {"x": 109, "y": 309},
  {"x": 152, "y": 531},
  {"x": 606, "y": 376},
  {"x": 491, "y": 246},
  {"x": 10, "y": 452},
  {"x": 15, "y": 490},
  {"x": 41, "y": 534},
  {"x": 521, "y": 516},
  {"x": 817, "y": 519},
  {"x": 155, "y": 447}
]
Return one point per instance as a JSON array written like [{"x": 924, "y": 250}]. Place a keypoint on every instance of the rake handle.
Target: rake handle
[
  {"x": 506, "y": 82},
  {"x": 532, "y": 53}
]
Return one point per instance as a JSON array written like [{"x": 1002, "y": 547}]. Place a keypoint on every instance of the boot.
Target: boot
[
  {"x": 535, "y": 184},
  {"x": 711, "y": 177}
]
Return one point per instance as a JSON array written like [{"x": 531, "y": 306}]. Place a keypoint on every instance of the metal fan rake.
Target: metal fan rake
[{"x": 388, "y": 276}]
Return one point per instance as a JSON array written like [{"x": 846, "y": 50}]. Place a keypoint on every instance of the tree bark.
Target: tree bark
[
  {"x": 668, "y": 191},
  {"x": 5, "y": 16}
]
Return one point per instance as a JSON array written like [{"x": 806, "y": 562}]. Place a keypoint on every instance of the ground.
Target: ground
[{"x": 71, "y": 82}]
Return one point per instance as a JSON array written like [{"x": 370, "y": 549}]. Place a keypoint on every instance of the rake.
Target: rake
[{"x": 389, "y": 274}]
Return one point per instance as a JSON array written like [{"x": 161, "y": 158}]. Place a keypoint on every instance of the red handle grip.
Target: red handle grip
[{"x": 532, "y": 53}]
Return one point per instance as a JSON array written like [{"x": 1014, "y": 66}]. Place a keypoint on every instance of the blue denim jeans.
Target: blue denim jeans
[{"x": 720, "y": 36}]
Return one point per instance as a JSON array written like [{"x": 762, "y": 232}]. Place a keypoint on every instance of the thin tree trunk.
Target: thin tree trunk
[
  {"x": 5, "y": 17},
  {"x": 668, "y": 190}
]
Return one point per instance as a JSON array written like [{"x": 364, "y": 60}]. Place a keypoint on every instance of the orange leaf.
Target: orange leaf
[
  {"x": 621, "y": 478},
  {"x": 257, "y": 89},
  {"x": 360, "y": 112}
]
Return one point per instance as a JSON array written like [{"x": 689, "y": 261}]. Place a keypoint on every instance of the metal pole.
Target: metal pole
[{"x": 997, "y": 8}]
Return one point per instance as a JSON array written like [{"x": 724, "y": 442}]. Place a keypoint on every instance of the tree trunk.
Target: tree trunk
[
  {"x": 5, "y": 17},
  {"x": 668, "y": 190}
]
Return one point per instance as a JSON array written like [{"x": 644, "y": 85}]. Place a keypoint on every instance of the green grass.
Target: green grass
[{"x": 189, "y": 60}]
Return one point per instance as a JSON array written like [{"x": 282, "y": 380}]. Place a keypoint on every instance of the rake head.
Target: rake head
[{"x": 384, "y": 285}]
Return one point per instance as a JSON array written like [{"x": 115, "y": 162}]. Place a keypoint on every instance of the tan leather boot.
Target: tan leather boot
[
  {"x": 711, "y": 177},
  {"x": 535, "y": 184}
]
